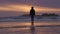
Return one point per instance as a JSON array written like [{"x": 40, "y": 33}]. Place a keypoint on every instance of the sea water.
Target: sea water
[{"x": 22, "y": 26}]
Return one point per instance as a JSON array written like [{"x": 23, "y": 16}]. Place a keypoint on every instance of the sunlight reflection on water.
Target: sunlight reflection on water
[
  {"x": 26, "y": 30},
  {"x": 9, "y": 24},
  {"x": 38, "y": 30}
]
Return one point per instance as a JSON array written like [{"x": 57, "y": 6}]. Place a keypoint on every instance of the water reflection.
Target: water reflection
[
  {"x": 32, "y": 31},
  {"x": 27, "y": 30},
  {"x": 12, "y": 24},
  {"x": 38, "y": 30}
]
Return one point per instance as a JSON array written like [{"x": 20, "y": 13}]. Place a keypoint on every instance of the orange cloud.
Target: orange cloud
[{"x": 25, "y": 8}]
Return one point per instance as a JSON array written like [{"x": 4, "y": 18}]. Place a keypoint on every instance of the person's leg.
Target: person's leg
[
  {"x": 32, "y": 23},
  {"x": 32, "y": 20}
]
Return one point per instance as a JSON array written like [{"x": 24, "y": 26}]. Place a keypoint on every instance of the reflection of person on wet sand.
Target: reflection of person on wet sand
[{"x": 32, "y": 14}]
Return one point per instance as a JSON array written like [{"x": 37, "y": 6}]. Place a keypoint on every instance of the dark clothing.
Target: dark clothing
[
  {"x": 32, "y": 20},
  {"x": 32, "y": 14}
]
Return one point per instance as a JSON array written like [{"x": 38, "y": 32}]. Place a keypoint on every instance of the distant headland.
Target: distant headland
[
  {"x": 49, "y": 14},
  {"x": 43, "y": 14}
]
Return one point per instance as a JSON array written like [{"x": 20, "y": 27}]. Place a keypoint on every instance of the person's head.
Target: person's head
[{"x": 32, "y": 7}]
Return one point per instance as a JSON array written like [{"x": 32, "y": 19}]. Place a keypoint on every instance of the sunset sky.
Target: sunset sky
[{"x": 18, "y": 7}]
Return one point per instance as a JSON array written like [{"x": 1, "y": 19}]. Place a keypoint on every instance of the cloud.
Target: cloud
[
  {"x": 43, "y": 3},
  {"x": 25, "y": 8}
]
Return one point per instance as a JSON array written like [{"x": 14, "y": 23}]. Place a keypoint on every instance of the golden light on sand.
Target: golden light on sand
[{"x": 25, "y": 8}]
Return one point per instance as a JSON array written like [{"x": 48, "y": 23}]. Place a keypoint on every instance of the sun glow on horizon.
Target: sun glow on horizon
[{"x": 26, "y": 8}]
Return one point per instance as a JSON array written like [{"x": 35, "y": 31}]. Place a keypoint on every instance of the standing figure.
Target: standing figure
[{"x": 32, "y": 14}]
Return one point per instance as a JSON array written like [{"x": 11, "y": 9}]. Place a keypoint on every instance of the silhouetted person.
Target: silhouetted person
[{"x": 32, "y": 14}]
